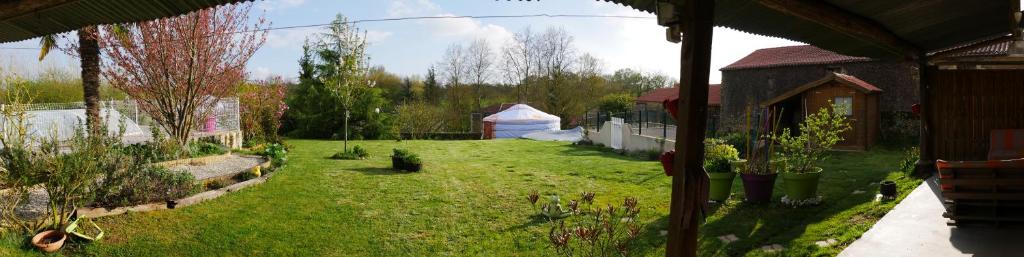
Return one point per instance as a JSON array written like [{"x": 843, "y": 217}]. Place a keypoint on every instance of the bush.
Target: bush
[
  {"x": 201, "y": 149},
  {"x": 159, "y": 149},
  {"x": 260, "y": 110},
  {"x": 717, "y": 154},
  {"x": 247, "y": 175},
  {"x": 736, "y": 140},
  {"x": 404, "y": 160},
  {"x": 899, "y": 129},
  {"x": 617, "y": 103},
  {"x": 277, "y": 153},
  {"x": 144, "y": 184}
]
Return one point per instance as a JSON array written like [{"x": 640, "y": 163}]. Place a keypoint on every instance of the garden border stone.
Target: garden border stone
[{"x": 86, "y": 212}]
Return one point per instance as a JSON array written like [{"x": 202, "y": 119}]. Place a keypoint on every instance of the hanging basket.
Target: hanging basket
[{"x": 672, "y": 106}]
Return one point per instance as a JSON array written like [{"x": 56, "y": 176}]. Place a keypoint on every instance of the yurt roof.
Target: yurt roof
[{"x": 521, "y": 112}]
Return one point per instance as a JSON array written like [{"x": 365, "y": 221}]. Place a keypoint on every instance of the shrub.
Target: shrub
[
  {"x": 159, "y": 149},
  {"x": 277, "y": 153},
  {"x": 909, "y": 162},
  {"x": 200, "y": 149},
  {"x": 247, "y": 175},
  {"x": 736, "y": 140},
  {"x": 616, "y": 103},
  {"x": 400, "y": 153},
  {"x": 818, "y": 133},
  {"x": 260, "y": 110},
  {"x": 717, "y": 154},
  {"x": 346, "y": 156},
  {"x": 145, "y": 184},
  {"x": 588, "y": 231}
]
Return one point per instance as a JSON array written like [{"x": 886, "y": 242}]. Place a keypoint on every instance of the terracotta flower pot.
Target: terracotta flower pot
[
  {"x": 802, "y": 186},
  {"x": 49, "y": 241},
  {"x": 758, "y": 188},
  {"x": 721, "y": 185}
]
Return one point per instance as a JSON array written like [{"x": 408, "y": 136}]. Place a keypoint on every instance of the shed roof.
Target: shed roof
[
  {"x": 791, "y": 56},
  {"x": 26, "y": 19},
  {"x": 660, "y": 95},
  {"x": 843, "y": 79},
  {"x": 927, "y": 25}
]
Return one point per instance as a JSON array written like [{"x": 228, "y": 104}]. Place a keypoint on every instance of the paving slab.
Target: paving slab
[{"x": 915, "y": 227}]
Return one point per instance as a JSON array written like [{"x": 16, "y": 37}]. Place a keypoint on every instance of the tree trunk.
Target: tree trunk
[{"x": 89, "y": 53}]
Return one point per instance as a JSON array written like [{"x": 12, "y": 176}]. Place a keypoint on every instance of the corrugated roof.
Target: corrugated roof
[
  {"x": 26, "y": 19},
  {"x": 927, "y": 24},
  {"x": 791, "y": 56},
  {"x": 660, "y": 95}
]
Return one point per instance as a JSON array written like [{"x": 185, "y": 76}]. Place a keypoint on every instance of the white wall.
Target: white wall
[{"x": 630, "y": 140}]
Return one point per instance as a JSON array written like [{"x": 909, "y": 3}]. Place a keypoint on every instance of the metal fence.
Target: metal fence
[{"x": 648, "y": 122}]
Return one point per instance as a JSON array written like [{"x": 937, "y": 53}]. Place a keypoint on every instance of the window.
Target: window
[{"x": 844, "y": 105}]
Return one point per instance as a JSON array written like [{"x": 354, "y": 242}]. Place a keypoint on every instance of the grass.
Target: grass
[{"x": 469, "y": 200}]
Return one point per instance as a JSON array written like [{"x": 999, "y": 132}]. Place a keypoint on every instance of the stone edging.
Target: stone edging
[
  {"x": 204, "y": 159},
  {"x": 86, "y": 212}
]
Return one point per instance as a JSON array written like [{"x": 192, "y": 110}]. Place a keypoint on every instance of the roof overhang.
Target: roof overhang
[
  {"x": 26, "y": 19},
  {"x": 813, "y": 84},
  {"x": 877, "y": 29}
]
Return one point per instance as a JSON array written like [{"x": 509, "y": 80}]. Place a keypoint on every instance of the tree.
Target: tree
[
  {"x": 177, "y": 69},
  {"x": 520, "y": 62},
  {"x": 88, "y": 52},
  {"x": 431, "y": 88},
  {"x": 334, "y": 95},
  {"x": 639, "y": 83},
  {"x": 454, "y": 64},
  {"x": 479, "y": 60}
]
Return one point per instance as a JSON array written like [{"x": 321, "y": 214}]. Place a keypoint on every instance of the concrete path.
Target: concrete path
[{"x": 915, "y": 227}]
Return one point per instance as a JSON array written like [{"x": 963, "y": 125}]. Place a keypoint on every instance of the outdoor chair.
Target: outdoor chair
[{"x": 991, "y": 190}]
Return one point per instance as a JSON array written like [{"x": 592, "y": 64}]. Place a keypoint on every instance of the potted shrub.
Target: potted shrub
[
  {"x": 717, "y": 158},
  {"x": 413, "y": 163},
  {"x": 398, "y": 158},
  {"x": 819, "y": 132}
]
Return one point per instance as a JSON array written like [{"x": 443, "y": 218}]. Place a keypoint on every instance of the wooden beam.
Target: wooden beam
[
  {"x": 690, "y": 183},
  {"x": 845, "y": 22},
  {"x": 925, "y": 165}
]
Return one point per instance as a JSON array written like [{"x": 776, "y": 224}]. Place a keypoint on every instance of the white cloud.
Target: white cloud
[
  {"x": 400, "y": 8},
  {"x": 373, "y": 36},
  {"x": 290, "y": 38},
  {"x": 465, "y": 29},
  {"x": 261, "y": 73},
  {"x": 270, "y": 5}
]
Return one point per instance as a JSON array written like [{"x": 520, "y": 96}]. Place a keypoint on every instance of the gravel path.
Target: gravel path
[{"x": 221, "y": 167}]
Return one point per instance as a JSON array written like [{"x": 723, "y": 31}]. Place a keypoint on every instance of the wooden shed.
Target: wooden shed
[{"x": 859, "y": 99}]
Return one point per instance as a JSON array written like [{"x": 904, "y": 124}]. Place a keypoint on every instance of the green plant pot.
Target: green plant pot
[
  {"x": 801, "y": 186},
  {"x": 721, "y": 185}
]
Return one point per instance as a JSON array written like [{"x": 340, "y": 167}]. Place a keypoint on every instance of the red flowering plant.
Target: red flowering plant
[
  {"x": 592, "y": 232},
  {"x": 261, "y": 105}
]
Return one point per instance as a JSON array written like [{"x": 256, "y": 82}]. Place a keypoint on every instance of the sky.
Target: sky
[{"x": 410, "y": 47}]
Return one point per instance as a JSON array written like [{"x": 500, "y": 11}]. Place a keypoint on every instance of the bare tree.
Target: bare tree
[
  {"x": 520, "y": 61},
  {"x": 479, "y": 60},
  {"x": 454, "y": 65},
  {"x": 556, "y": 58}
]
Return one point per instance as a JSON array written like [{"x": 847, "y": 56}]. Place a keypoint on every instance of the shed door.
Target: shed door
[{"x": 855, "y": 104}]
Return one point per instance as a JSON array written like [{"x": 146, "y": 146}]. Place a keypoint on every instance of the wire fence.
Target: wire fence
[{"x": 64, "y": 118}]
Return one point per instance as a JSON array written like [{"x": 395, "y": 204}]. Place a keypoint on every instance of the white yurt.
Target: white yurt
[{"x": 519, "y": 120}]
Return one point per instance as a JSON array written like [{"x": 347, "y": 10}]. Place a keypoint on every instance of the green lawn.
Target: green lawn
[{"x": 470, "y": 201}]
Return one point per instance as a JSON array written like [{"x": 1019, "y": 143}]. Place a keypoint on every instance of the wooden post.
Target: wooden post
[
  {"x": 926, "y": 164},
  {"x": 690, "y": 183}
]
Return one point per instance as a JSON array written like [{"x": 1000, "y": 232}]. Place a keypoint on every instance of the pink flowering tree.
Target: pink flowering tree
[
  {"x": 261, "y": 107},
  {"x": 178, "y": 68}
]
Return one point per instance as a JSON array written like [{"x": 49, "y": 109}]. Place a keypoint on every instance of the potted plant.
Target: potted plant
[
  {"x": 398, "y": 158},
  {"x": 819, "y": 132},
  {"x": 413, "y": 163},
  {"x": 717, "y": 158},
  {"x": 759, "y": 168}
]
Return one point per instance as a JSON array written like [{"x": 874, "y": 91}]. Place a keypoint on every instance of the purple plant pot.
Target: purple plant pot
[{"x": 758, "y": 188}]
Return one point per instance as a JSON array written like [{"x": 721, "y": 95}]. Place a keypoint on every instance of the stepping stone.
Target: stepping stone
[
  {"x": 772, "y": 248},
  {"x": 826, "y": 243},
  {"x": 857, "y": 192},
  {"x": 728, "y": 238}
]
